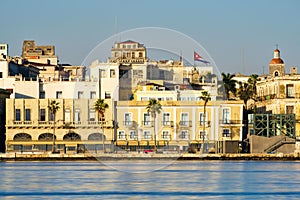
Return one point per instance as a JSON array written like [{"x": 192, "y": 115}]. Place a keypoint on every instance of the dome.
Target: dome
[
  {"x": 276, "y": 50},
  {"x": 276, "y": 61}
]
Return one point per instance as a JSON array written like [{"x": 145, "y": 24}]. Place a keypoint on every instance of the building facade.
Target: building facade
[
  {"x": 29, "y": 126},
  {"x": 179, "y": 126}
]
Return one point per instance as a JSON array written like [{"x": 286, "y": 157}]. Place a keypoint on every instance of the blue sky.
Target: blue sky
[{"x": 225, "y": 28}]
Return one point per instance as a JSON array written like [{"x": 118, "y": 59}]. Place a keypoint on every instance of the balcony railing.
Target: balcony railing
[
  {"x": 207, "y": 123},
  {"x": 167, "y": 123},
  {"x": 59, "y": 124},
  {"x": 278, "y": 96},
  {"x": 128, "y": 123},
  {"x": 185, "y": 123},
  {"x": 147, "y": 123},
  {"x": 231, "y": 122}
]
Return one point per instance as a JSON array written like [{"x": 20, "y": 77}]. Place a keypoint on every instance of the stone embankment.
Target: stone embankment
[{"x": 141, "y": 156}]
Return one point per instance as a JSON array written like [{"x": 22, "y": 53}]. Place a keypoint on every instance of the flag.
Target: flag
[{"x": 197, "y": 57}]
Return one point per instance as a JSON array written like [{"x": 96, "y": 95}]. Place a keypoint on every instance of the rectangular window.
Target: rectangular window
[
  {"x": 27, "y": 114},
  {"x": 112, "y": 73},
  {"x": 147, "y": 119},
  {"x": 102, "y": 73},
  {"x": 201, "y": 116},
  {"x": 1, "y": 74},
  {"x": 166, "y": 135},
  {"x": 166, "y": 119},
  {"x": 121, "y": 135},
  {"x": 128, "y": 119},
  {"x": 91, "y": 115},
  {"x": 80, "y": 95},
  {"x": 132, "y": 135},
  {"x": 67, "y": 115},
  {"x": 184, "y": 134},
  {"x": 289, "y": 90},
  {"x": 107, "y": 95},
  {"x": 137, "y": 73},
  {"x": 93, "y": 95},
  {"x": 184, "y": 119},
  {"x": 43, "y": 115},
  {"x": 58, "y": 94},
  {"x": 226, "y": 115},
  {"x": 289, "y": 109},
  {"x": 42, "y": 94},
  {"x": 51, "y": 116},
  {"x": 77, "y": 115},
  {"x": 147, "y": 135},
  {"x": 18, "y": 115},
  {"x": 202, "y": 135},
  {"x": 226, "y": 133},
  {"x": 161, "y": 75}
]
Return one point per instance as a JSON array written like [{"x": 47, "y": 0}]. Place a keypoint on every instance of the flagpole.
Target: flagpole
[{"x": 194, "y": 59}]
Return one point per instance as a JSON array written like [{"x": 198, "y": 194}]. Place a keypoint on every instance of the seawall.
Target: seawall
[{"x": 142, "y": 156}]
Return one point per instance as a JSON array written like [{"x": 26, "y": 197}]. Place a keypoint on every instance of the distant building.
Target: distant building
[
  {"x": 128, "y": 52},
  {"x": 39, "y": 54},
  {"x": 276, "y": 122},
  {"x": 4, "y": 94},
  {"x": 3, "y": 49}
]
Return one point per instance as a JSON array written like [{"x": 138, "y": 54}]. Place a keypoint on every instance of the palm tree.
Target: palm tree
[
  {"x": 205, "y": 96},
  {"x": 53, "y": 108},
  {"x": 245, "y": 93},
  {"x": 100, "y": 106},
  {"x": 229, "y": 84},
  {"x": 154, "y": 108},
  {"x": 252, "y": 82}
]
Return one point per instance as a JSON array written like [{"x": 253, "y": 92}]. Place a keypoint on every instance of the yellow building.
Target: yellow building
[
  {"x": 180, "y": 125},
  {"x": 29, "y": 126}
]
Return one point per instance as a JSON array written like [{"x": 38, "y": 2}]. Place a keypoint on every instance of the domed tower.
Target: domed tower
[{"x": 276, "y": 66}]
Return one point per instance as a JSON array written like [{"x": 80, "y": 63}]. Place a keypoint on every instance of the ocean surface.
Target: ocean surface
[{"x": 153, "y": 179}]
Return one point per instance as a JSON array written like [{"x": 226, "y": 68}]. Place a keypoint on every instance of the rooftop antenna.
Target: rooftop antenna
[
  {"x": 116, "y": 27},
  {"x": 180, "y": 58}
]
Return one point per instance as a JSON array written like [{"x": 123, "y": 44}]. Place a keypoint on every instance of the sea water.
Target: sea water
[{"x": 150, "y": 179}]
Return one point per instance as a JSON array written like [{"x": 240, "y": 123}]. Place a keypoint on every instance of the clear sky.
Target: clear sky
[{"x": 227, "y": 29}]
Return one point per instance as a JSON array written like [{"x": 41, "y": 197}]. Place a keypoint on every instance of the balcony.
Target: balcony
[
  {"x": 60, "y": 124},
  {"x": 128, "y": 123},
  {"x": 168, "y": 123},
  {"x": 230, "y": 122},
  {"x": 185, "y": 123},
  {"x": 207, "y": 123},
  {"x": 147, "y": 123}
]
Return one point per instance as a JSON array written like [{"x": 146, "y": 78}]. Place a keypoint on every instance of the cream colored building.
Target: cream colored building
[
  {"x": 179, "y": 125},
  {"x": 278, "y": 91},
  {"x": 29, "y": 126}
]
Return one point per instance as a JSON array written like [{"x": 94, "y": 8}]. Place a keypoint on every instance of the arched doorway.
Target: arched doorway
[
  {"x": 96, "y": 136},
  {"x": 22, "y": 137},
  {"x": 46, "y": 137}
]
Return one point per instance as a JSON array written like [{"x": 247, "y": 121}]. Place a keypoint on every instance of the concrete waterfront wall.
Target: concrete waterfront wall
[
  {"x": 142, "y": 156},
  {"x": 259, "y": 144}
]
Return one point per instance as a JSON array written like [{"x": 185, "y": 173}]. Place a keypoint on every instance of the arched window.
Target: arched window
[
  {"x": 22, "y": 136},
  {"x": 46, "y": 136},
  {"x": 276, "y": 73},
  {"x": 72, "y": 136},
  {"x": 96, "y": 136}
]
